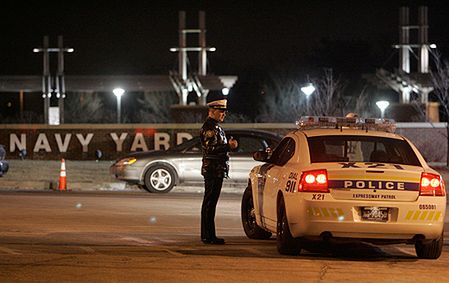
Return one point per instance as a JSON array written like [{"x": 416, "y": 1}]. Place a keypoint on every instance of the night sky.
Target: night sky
[{"x": 133, "y": 37}]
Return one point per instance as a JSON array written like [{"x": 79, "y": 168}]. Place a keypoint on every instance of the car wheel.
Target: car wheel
[
  {"x": 159, "y": 179},
  {"x": 252, "y": 230},
  {"x": 430, "y": 250},
  {"x": 286, "y": 244}
]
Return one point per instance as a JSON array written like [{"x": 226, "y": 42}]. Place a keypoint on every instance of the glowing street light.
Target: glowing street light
[
  {"x": 118, "y": 92},
  {"x": 225, "y": 91},
  {"x": 382, "y": 104},
  {"x": 308, "y": 89}
]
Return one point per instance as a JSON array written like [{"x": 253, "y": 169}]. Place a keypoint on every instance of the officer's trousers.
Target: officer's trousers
[{"x": 212, "y": 186}]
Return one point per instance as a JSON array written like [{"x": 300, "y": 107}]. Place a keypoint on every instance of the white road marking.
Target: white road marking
[
  {"x": 406, "y": 251},
  {"x": 147, "y": 243},
  {"x": 255, "y": 252},
  {"x": 88, "y": 250},
  {"x": 138, "y": 240},
  {"x": 9, "y": 251},
  {"x": 165, "y": 240}
]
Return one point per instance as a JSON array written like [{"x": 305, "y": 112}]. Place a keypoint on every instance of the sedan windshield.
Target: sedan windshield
[
  {"x": 194, "y": 142},
  {"x": 361, "y": 149}
]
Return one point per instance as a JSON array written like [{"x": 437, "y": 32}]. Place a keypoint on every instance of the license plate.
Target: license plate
[{"x": 379, "y": 214}]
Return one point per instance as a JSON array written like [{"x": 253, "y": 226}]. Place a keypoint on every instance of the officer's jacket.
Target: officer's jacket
[{"x": 215, "y": 149}]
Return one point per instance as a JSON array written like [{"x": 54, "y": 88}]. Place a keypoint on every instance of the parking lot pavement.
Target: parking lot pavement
[{"x": 43, "y": 175}]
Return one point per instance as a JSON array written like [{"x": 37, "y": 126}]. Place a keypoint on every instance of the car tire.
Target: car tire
[
  {"x": 431, "y": 249},
  {"x": 286, "y": 244},
  {"x": 159, "y": 179},
  {"x": 248, "y": 215}
]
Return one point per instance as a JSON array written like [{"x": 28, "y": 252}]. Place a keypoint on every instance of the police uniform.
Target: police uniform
[{"x": 215, "y": 168}]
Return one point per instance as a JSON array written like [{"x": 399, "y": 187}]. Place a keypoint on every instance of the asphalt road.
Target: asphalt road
[{"x": 141, "y": 237}]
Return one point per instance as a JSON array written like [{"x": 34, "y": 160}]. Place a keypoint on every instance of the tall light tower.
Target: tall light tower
[
  {"x": 185, "y": 84},
  {"x": 47, "y": 87},
  {"x": 405, "y": 48},
  {"x": 412, "y": 78}
]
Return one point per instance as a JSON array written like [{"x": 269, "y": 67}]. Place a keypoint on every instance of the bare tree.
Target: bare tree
[
  {"x": 363, "y": 104},
  {"x": 155, "y": 106},
  {"x": 84, "y": 108},
  {"x": 236, "y": 118},
  {"x": 328, "y": 97},
  {"x": 283, "y": 100},
  {"x": 440, "y": 81}
]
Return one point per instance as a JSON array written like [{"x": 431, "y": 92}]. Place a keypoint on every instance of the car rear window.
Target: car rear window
[{"x": 361, "y": 149}]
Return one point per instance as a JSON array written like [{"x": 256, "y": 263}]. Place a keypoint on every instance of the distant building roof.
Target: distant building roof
[{"x": 107, "y": 83}]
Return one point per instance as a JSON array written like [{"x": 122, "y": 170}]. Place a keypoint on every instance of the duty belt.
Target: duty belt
[{"x": 215, "y": 157}]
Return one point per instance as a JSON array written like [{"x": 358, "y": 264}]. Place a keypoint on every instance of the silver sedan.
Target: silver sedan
[{"x": 160, "y": 171}]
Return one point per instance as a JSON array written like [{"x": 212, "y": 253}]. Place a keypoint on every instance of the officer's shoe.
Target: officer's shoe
[{"x": 214, "y": 241}]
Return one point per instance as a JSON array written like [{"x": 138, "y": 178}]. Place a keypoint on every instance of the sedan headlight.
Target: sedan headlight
[{"x": 127, "y": 161}]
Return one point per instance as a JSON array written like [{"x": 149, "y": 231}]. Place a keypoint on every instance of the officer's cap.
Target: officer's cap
[
  {"x": 352, "y": 115},
  {"x": 218, "y": 104}
]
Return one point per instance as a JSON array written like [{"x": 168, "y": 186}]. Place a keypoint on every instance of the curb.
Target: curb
[
  {"x": 82, "y": 176},
  {"x": 49, "y": 186}
]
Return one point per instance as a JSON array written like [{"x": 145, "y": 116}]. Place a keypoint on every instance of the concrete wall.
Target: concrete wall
[
  {"x": 80, "y": 141},
  {"x": 429, "y": 138}
]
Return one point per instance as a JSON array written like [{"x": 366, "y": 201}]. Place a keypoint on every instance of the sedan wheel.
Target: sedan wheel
[
  {"x": 286, "y": 244},
  {"x": 160, "y": 179},
  {"x": 252, "y": 230},
  {"x": 430, "y": 250}
]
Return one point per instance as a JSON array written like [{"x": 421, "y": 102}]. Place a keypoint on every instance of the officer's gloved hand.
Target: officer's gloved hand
[{"x": 233, "y": 143}]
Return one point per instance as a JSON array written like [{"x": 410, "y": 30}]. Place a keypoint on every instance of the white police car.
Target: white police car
[{"x": 345, "y": 178}]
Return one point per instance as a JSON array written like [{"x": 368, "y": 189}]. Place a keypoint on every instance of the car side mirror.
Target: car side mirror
[{"x": 261, "y": 155}]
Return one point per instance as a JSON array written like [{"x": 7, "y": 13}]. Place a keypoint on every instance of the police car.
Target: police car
[{"x": 353, "y": 178}]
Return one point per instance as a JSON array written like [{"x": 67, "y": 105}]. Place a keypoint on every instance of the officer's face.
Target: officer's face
[{"x": 218, "y": 114}]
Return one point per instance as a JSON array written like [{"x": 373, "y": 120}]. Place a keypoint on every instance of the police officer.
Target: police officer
[{"x": 215, "y": 167}]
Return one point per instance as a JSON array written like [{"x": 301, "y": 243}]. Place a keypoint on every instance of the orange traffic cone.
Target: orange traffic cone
[{"x": 62, "y": 177}]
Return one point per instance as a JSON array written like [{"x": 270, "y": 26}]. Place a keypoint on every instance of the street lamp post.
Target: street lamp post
[
  {"x": 118, "y": 92},
  {"x": 382, "y": 104},
  {"x": 225, "y": 91},
  {"x": 308, "y": 90}
]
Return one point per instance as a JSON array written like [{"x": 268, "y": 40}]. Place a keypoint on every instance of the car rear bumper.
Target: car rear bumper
[{"x": 342, "y": 218}]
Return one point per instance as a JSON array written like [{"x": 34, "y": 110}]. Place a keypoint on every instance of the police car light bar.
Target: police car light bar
[{"x": 317, "y": 122}]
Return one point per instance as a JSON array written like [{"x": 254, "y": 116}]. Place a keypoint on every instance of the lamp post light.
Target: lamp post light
[
  {"x": 225, "y": 91},
  {"x": 118, "y": 92},
  {"x": 308, "y": 90},
  {"x": 382, "y": 104}
]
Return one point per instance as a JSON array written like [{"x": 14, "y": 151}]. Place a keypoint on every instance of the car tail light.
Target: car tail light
[
  {"x": 431, "y": 185},
  {"x": 314, "y": 181}
]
